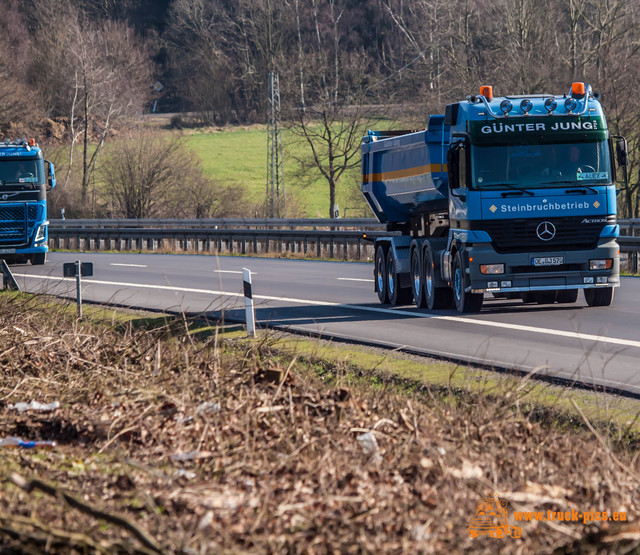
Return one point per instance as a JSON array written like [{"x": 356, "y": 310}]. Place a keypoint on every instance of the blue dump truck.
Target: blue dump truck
[
  {"x": 25, "y": 178},
  {"x": 512, "y": 196}
]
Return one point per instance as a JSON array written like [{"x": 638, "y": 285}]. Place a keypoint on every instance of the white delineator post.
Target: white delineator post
[{"x": 248, "y": 302}]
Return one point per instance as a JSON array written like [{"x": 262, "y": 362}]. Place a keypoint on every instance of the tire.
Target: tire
[
  {"x": 381, "y": 275},
  {"x": 437, "y": 297},
  {"x": 38, "y": 259},
  {"x": 417, "y": 279},
  {"x": 499, "y": 533},
  {"x": 565, "y": 296},
  {"x": 599, "y": 297},
  {"x": 465, "y": 302},
  {"x": 397, "y": 295}
]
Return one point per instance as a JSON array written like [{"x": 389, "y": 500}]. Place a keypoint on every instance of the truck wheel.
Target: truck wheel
[
  {"x": 397, "y": 295},
  {"x": 564, "y": 296},
  {"x": 437, "y": 297},
  {"x": 465, "y": 302},
  {"x": 381, "y": 275},
  {"x": 417, "y": 279},
  {"x": 499, "y": 532},
  {"x": 39, "y": 259},
  {"x": 599, "y": 297}
]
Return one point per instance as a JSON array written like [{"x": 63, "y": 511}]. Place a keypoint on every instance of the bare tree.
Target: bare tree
[
  {"x": 328, "y": 113},
  {"x": 145, "y": 173}
]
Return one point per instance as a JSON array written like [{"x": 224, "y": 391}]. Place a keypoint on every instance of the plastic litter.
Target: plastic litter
[
  {"x": 24, "y": 444},
  {"x": 206, "y": 408},
  {"x": 35, "y": 405},
  {"x": 369, "y": 445}
]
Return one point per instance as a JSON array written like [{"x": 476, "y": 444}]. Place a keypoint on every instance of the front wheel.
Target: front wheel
[
  {"x": 464, "y": 301},
  {"x": 599, "y": 297},
  {"x": 39, "y": 258}
]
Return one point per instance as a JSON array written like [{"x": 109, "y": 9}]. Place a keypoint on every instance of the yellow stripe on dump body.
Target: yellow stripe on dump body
[{"x": 398, "y": 174}]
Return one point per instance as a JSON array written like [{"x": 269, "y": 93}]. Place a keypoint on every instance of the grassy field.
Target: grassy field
[
  {"x": 238, "y": 155},
  {"x": 182, "y": 437}
]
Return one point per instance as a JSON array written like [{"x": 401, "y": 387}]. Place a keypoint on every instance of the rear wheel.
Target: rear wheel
[
  {"x": 397, "y": 295},
  {"x": 381, "y": 275},
  {"x": 564, "y": 296},
  {"x": 39, "y": 259},
  {"x": 599, "y": 297},
  {"x": 464, "y": 301},
  {"x": 437, "y": 297},
  {"x": 417, "y": 279}
]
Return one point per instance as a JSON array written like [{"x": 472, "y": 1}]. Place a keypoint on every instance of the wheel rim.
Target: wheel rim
[
  {"x": 458, "y": 283},
  {"x": 429, "y": 280},
  {"x": 380, "y": 275},
  {"x": 415, "y": 267},
  {"x": 390, "y": 280}
]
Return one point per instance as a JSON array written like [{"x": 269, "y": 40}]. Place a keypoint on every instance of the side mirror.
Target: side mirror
[
  {"x": 51, "y": 178},
  {"x": 622, "y": 153},
  {"x": 452, "y": 166}
]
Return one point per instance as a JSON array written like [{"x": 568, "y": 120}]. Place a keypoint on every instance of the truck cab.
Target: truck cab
[
  {"x": 532, "y": 202},
  {"x": 25, "y": 178}
]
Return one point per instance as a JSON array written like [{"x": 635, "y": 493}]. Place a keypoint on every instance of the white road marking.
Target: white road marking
[
  {"x": 355, "y": 279},
  {"x": 232, "y": 272},
  {"x": 129, "y": 265},
  {"x": 458, "y": 319}
]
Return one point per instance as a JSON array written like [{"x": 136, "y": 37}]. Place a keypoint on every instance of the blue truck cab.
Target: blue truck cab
[
  {"x": 25, "y": 178},
  {"x": 514, "y": 196}
]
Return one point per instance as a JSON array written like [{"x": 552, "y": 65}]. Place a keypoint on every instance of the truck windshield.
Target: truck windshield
[
  {"x": 540, "y": 165},
  {"x": 21, "y": 171}
]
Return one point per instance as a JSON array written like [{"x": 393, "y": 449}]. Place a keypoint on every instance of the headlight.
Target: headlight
[
  {"x": 492, "y": 268},
  {"x": 604, "y": 264},
  {"x": 42, "y": 232}
]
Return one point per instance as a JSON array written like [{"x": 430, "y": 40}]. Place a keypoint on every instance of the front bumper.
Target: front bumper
[{"x": 520, "y": 275}]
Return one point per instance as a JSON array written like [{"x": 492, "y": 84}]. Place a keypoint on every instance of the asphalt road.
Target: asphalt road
[{"x": 574, "y": 342}]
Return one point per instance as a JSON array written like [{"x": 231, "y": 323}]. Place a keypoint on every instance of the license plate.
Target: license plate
[
  {"x": 7, "y": 251},
  {"x": 547, "y": 261}
]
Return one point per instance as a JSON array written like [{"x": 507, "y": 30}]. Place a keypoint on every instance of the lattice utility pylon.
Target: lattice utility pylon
[{"x": 275, "y": 201}]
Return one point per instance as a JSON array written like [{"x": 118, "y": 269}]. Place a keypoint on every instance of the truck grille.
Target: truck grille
[
  {"x": 577, "y": 233},
  {"x": 15, "y": 229}
]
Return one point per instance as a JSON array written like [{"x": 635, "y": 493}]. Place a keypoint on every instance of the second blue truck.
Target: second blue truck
[
  {"x": 25, "y": 178},
  {"x": 514, "y": 196}
]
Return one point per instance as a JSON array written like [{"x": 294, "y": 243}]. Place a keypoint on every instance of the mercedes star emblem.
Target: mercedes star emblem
[{"x": 546, "y": 231}]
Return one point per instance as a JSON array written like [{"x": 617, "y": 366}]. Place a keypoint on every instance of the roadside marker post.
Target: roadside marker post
[
  {"x": 78, "y": 269},
  {"x": 250, "y": 317}
]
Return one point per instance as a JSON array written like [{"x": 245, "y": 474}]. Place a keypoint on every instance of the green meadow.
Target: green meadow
[{"x": 238, "y": 155}]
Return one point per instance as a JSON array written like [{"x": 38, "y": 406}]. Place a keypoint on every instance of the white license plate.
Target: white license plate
[
  {"x": 7, "y": 251},
  {"x": 547, "y": 261}
]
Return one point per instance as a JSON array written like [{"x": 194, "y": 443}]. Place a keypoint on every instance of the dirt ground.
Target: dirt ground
[{"x": 175, "y": 442}]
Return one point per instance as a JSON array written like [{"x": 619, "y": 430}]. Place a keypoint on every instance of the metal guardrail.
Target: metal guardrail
[
  {"x": 340, "y": 238},
  {"x": 222, "y": 223}
]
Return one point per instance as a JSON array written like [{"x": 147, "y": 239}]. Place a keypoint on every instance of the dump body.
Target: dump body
[
  {"x": 23, "y": 201},
  {"x": 405, "y": 173},
  {"x": 510, "y": 195}
]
